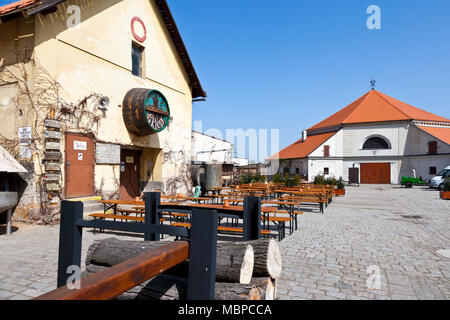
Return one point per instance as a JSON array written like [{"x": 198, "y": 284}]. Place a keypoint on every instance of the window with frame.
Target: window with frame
[
  {"x": 433, "y": 170},
  {"x": 326, "y": 170},
  {"x": 137, "y": 58},
  {"x": 326, "y": 151},
  {"x": 375, "y": 143},
  {"x": 432, "y": 147}
]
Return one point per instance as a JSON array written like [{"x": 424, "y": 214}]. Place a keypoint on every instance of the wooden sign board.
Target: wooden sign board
[
  {"x": 53, "y": 155},
  {"x": 52, "y": 187},
  {"x": 106, "y": 153},
  {"x": 52, "y": 167},
  {"x": 52, "y": 177},
  {"x": 52, "y": 146},
  {"x": 53, "y": 135},
  {"x": 50, "y": 123}
]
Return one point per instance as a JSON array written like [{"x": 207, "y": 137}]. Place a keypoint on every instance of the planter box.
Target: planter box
[
  {"x": 445, "y": 195},
  {"x": 339, "y": 192}
]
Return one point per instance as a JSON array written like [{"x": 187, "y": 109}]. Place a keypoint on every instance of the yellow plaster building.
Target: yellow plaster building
[{"x": 68, "y": 70}]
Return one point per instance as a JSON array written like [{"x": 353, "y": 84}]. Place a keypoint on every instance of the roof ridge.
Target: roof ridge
[{"x": 381, "y": 96}]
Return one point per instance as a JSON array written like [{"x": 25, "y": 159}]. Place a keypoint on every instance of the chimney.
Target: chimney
[{"x": 305, "y": 135}]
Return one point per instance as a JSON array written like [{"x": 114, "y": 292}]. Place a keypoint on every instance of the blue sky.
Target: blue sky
[{"x": 289, "y": 64}]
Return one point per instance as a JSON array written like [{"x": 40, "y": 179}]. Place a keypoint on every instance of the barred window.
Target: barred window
[{"x": 375, "y": 143}]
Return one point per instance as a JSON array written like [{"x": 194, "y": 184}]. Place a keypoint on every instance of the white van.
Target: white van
[{"x": 438, "y": 181}]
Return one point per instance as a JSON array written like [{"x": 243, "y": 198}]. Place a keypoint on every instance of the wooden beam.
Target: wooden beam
[{"x": 116, "y": 280}]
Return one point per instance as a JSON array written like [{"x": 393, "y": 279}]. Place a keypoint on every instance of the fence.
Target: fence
[{"x": 198, "y": 244}]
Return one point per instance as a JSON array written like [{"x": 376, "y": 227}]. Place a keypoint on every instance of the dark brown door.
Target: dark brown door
[
  {"x": 79, "y": 166},
  {"x": 353, "y": 175},
  {"x": 376, "y": 173},
  {"x": 129, "y": 174}
]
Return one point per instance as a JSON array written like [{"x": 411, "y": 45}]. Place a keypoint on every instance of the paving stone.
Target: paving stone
[{"x": 329, "y": 251}]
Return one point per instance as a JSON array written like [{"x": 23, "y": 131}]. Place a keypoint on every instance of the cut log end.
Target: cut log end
[
  {"x": 247, "y": 265},
  {"x": 274, "y": 261}
]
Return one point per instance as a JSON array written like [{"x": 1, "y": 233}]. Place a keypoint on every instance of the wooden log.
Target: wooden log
[
  {"x": 169, "y": 287},
  {"x": 265, "y": 286},
  {"x": 234, "y": 261},
  {"x": 268, "y": 262},
  {"x": 122, "y": 277},
  {"x": 112, "y": 251}
]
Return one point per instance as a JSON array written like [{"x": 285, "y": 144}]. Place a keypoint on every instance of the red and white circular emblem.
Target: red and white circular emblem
[{"x": 138, "y": 29}]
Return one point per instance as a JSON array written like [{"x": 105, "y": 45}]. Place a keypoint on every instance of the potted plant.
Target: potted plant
[
  {"x": 340, "y": 188},
  {"x": 445, "y": 193}
]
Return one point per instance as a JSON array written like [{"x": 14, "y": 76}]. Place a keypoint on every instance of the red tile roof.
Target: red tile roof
[
  {"x": 17, "y": 5},
  {"x": 375, "y": 106},
  {"x": 302, "y": 149},
  {"x": 442, "y": 134}
]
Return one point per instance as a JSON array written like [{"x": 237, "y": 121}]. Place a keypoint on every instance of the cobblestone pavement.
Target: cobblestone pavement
[
  {"x": 398, "y": 230},
  {"x": 29, "y": 260}
]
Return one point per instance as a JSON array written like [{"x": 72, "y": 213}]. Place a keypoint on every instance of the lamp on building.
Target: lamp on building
[{"x": 103, "y": 103}]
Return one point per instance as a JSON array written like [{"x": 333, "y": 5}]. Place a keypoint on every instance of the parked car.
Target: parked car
[{"x": 437, "y": 182}]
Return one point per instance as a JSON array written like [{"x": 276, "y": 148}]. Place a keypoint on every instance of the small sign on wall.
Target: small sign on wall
[
  {"x": 106, "y": 153},
  {"x": 80, "y": 145},
  {"x": 129, "y": 160},
  {"x": 24, "y": 136},
  {"x": 80, "y": 156}
]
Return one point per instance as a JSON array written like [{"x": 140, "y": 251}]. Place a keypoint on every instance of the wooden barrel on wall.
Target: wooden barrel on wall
[{"x": 145, "y": 111}]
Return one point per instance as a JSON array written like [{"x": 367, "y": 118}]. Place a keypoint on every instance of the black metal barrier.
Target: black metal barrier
[{"x": 202, "y": 237}]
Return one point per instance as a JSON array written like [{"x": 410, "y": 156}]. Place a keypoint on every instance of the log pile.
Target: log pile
[{"x": 244, "y": 270}]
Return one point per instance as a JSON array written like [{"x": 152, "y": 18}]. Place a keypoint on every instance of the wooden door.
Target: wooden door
[
  {"x": 376, "y": 173},
  {"x": 79, "y": 165},
  {"x": 353, "y": 175},
  {"x": 129, "y": 174}
]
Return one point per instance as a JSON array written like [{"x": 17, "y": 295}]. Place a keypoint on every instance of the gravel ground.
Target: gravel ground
[{"x": 389, "y": 231}]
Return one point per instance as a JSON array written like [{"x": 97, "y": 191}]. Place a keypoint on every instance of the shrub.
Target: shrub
[
  {"x": 277, "y": 178},
  {"x": 320, "y": 180},
  {"x": 297, "y": 180},
  {"x": 331, "y": 181},
  {"x": 340, "y": 184}
]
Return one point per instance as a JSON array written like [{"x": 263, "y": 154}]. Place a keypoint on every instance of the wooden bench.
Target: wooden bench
[
  {"x": 294, "y": 213},
  {"x": 309, "y": 198},
  {"x": 119, "y": 217},
  {"x": 220, "y": 228},
  {"x": 280, "y": 223},
  {"x": 128, "y": 211}
]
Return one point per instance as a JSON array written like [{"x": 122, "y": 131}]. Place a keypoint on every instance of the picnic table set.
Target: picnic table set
[{"x": 280, "y": 207}]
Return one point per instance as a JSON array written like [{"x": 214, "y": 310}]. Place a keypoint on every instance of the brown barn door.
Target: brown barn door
[
  {"x": 79, "y": 166},
  {"x": 353, "y": 175},
  {"x": 129, "y": 174},
  {"x": 376, "y": 173}
]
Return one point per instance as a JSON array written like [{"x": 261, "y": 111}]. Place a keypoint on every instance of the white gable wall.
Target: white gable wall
[{"x": 408, "y": 150}]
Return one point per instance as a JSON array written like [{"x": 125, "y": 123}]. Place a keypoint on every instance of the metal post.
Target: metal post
[
  {"x": 252, "y": 218},
  {"x": 70, "y": 235},
  {"x": 8, "y": 221},
  {"x": 152, "y": 201},
  {"x": 202, "y": 255}
]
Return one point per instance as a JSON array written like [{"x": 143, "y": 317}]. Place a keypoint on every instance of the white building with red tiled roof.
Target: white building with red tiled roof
[{"x": 376, "y": 139}]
